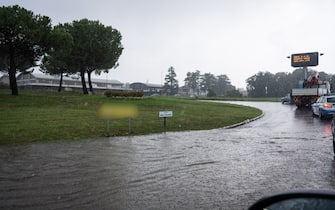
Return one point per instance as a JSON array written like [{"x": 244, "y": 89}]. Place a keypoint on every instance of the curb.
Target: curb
[{"x": 244, "y": 122}]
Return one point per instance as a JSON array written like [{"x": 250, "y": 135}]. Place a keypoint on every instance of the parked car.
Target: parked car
[
  {"x": 286, "y": 99},
  {"x": 324, "y": 106},
  {"x": 333, "y": 133}
]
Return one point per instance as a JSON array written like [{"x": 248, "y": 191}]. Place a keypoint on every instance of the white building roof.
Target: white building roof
[{"x": 35, "y": 71}]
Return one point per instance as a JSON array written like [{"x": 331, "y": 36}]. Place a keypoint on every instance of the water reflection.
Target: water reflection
[{"x": 327, "y": 128}]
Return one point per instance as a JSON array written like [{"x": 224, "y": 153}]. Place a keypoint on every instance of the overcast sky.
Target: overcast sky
[{"x": 238, "y": 37}]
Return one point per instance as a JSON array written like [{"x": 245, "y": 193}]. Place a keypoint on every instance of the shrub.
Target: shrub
[
  {"x": 4, "y": 86},
  {"x": 132, "y": 93},
  {"x": 108, "y": 93}
]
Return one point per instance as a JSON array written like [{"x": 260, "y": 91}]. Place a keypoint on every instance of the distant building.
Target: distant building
[
  {"x": 4, "y": 80},
  {"x": 147, "y": 88},
  {"x": 36, "y": 80},
  {"x": 184, "y": 91}
]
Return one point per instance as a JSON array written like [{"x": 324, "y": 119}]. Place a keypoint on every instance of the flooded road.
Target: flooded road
[{"x": 216, "y": 169}]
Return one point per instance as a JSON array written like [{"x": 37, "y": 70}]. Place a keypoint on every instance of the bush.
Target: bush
[
  {"x": 133, "y": 93},
  {"x": 211, "y": 93},
  {"x": 108, "y": 93},
  {"x": 4, "y": 86}
]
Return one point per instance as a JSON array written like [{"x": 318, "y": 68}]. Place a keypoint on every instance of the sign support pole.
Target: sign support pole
[
  {"x": 129, "y": 126},
  {"x": 165, "y": 123},
  {"x": 164, "y": 115},
  {"x": 108, "y": 128}
]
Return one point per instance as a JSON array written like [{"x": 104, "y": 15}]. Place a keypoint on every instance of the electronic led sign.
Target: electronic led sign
[{"x": 305, "y": 59}]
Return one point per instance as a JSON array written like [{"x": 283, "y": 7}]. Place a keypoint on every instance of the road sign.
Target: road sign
[
  {"x": 165, "y": 114},
  {"x": 109, "y": 111},
  {"x": 305, "y": 59}
]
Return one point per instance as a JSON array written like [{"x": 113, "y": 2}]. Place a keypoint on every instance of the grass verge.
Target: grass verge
[{"x": 47, "y": 116}]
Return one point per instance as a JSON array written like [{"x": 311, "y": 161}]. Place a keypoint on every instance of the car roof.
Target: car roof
[{"x": 330, "y": 96}]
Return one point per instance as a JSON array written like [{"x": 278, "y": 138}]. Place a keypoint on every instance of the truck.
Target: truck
[
  {"x": 309, "y": 91},
  {"x": 311, "y": 88}
]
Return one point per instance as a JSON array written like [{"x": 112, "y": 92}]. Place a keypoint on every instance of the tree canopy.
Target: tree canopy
[
  {"x": 83, "y": 46},
  {"x": 95, "y": 48},
  {"x": 192, "y": 81},
  {"x": 57, "y": 60},
  {"x": 208, "y": 83},
  {"x": 266, "y": 84},
  {"x": 171, "y": 86},
  {"x": 24, "y": 39}
]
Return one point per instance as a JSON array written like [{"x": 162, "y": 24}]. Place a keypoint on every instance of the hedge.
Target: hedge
[{"x": 132, "y": 93}]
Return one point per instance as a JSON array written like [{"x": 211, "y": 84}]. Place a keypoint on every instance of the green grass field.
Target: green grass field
[{"x": 47, "y": 116}]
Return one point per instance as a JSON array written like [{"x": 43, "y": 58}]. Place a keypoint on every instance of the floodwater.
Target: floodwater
[{"x": 216, "y": 169}]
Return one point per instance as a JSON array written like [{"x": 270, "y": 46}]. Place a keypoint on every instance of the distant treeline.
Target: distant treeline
[{"x": 266, "y": 84}]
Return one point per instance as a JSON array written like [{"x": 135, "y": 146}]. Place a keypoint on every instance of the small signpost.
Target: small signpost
[
  {"x": 108, "y": 112},
  {"x": 165, "y": 114}
]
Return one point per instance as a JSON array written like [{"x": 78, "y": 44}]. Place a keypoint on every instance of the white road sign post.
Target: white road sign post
[{"x": 165, "y": 114}]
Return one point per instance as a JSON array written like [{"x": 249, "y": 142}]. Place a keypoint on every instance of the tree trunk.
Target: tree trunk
[
  {"x": 60, "y": 82},
  {"x": 90, "y": 82},
  {"x": 83, "y": 82},
  {"x": 12, "y": 76}
]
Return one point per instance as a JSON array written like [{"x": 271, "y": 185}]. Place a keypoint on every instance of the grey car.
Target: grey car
[{"x": 324, "y": 106}]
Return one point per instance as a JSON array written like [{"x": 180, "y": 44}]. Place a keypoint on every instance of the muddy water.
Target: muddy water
[{"x": 217, "y": 169}]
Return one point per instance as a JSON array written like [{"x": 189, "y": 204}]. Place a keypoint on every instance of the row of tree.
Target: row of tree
[
  {"x": 262, "y": 84},
  {"x": 266, "y": 84},
  {"x": 85, "y": 46},
  {"x": 80, "y": 47},
  {"x": 199, "y": 84}
]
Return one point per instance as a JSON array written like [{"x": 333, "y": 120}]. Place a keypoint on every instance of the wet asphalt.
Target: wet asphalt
[{"x": 284, "y": 150}]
